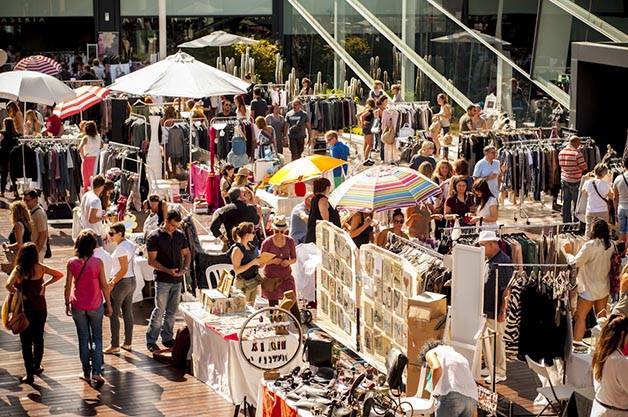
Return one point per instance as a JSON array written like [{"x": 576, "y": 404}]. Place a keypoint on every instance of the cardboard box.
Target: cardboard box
[
  {"x": 426, "y": 316},
  {"x": 215, "y": 302}
]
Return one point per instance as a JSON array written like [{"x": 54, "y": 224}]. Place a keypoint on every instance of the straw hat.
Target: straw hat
[
  {"x": 280, "y": 223},
  {"x": 243, "y": 172}
]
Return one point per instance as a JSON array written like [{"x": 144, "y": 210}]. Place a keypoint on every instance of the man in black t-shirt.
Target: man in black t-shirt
[
  {"x": 259, "y": 107},
  {"x": 231, "y": 215},
  {"x": 169, "y": 255}
]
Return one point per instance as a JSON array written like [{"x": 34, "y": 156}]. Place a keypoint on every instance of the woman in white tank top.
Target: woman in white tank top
[{"x": 89, "y": 148}]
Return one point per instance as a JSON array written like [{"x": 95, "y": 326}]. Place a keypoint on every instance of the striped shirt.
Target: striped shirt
[{"x": 571, "y": 164}]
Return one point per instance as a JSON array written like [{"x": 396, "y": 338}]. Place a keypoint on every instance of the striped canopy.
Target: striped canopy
[
  {"x": 38, "y": 63},
  {"x": 86, "y": 97},
  {"x": 383, "y": 187}
]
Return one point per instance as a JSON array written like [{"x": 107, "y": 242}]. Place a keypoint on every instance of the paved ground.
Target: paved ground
[{"x": 136, "y": 385}]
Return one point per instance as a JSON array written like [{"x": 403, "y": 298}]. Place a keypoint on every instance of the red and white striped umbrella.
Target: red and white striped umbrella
[
  {"x": 39, "y": 63},
  {"x": 86, "y": 97}
]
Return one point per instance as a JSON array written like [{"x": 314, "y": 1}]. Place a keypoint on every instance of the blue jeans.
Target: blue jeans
[
  {"x": 570, "y": 198},
  {"x": 89, "y": 330},
  {"x": 167, "y": 297},
  {"x": 622, "y": 220},
  {"x": 454, "y": 404}
]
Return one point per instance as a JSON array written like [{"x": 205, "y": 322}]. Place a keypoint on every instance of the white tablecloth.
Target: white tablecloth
[
  {"x": 143, "y": 272},
  {"x": 218, "y": 362},
  {"x": 281, "y": 205},
  {"x": 579, "y": 371}
]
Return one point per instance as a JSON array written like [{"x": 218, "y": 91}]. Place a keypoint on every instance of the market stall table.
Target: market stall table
[
  {"x": 143, "y": 272},
  {"x": 216, "y": 356}
]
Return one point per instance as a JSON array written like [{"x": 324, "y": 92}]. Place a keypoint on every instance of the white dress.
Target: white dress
[{"x": 153, "y": 157}]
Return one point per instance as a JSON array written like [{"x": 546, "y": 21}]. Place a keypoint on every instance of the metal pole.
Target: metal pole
[
  {"x": 163, "y": 52},
  {"x": 495, "y": 324}
]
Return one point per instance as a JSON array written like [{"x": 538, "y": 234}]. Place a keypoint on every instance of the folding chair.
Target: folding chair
[{"x": 556, "y": 396}]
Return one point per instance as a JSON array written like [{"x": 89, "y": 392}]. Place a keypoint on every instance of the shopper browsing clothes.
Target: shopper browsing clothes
[
  {"x": 593, "y": 261},
  {"x": 494, "y": 255},
  {"x": 8, "y": 140},
  {"x": 28, "y": 277},
  {"x": 40, "y": 223},
  {"x": 572, "y": 166},
  {"x": 89, "y": 148},
  {"x": 452, "y": 380},
  {"x": 122, "y": 286},
  {"x": 620, "y": 192},
  {"x": 384, "y": 238},
  {"x": 599, "y": 193},
  {"x": 231, "y": 215},
  {"x": 245, "y": 260},
  {"x": 277, "y": 272},
  {"x": 297, "y": 124},
  {"x": 85, "y": 288},
  {"x": 489, "y": 169},
  {"x": 91, "y": 211},
  {"x": 21, "y": 232},
  {"x": 169, "y": 255},
  {"x": 486, "y": 210},
  {"x": 610, "y": 369}
]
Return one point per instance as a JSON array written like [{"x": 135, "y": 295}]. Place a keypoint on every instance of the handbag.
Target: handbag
[
  {"x": 377, "y": 126},
  {"x": 270, "y": 284},
  {"x": 405, "y": 132},
  {"x": 389, "y": 136},
  {"x": 13, "y": 316},
  {"x": 317, "y": 349}
]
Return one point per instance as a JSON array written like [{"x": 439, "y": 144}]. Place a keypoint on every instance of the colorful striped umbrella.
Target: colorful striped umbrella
[
  {"x": 305, "y": 168},
  {"x": 38, "y": 63},
  {"x": 86, "y": 97},
  {"x": 383, "y": 187}
]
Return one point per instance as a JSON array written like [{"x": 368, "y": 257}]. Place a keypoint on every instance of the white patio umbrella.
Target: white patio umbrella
[
  {"x": 34, "y": 87},
  {"x": 180, "y": 75},
  {"x": 218, "y": 38}
]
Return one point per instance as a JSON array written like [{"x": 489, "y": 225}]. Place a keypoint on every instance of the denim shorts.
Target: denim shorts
[{"x": 622, "y": 220}]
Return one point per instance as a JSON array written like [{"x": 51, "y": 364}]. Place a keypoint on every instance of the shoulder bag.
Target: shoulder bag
[
  {"x": 13, "y": 316},
  {"x": 609, "y": 204}
]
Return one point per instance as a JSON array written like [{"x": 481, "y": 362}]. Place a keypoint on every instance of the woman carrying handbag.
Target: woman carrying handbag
[
  {"x": 27, "y": 281},
  {"x": 277, "y": 272}
]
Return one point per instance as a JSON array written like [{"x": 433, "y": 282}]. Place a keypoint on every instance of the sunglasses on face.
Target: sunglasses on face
[
  {"x": 112, "y": 233},
  {"x": 398, "y": 221}
]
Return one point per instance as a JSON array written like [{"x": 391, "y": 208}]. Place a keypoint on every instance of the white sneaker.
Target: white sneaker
[
  {"x": 484, "y": 372},
  {"x": 498, "y": 379}
]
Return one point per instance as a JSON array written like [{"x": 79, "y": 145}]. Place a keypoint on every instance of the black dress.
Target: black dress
[
  {"x": 26, "y": 236},
  {"x": 315, "y": 215},
  {"x": 364, "y": 237}
]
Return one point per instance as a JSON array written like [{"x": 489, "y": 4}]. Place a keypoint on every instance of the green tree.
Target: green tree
[{"x": 263, "y": 52}]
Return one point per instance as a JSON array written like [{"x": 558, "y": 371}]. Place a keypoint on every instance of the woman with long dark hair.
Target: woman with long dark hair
[
  {"x": 245, "y": 260},
  {"x": 594, "y": 262},
  {"x": 28, "y": 277},
  {"x": 226, "y": 181},
  {"x": 610, "y": 369},
  {"x": 14, "y": 112},
  {"x": 85, "y": 288},
  {"x": 486, "y": 204},
  {"x": 8, "y": 141}
]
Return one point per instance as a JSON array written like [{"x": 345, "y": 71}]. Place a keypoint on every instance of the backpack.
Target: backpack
[
  {"x": 182, "y": 343},
  {"x": 238, "y": 145}
]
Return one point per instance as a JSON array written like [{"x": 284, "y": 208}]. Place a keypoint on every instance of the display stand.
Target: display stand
[
  {"x": 387, "y": 284},
  {"x": 337, "y": 289}
]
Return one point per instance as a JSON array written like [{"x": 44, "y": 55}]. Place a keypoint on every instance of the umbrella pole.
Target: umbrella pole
[
  {"x": 81, "y": 113},
  {"x": 220, "y": 53},
  {"x": 23, "y": 155}
]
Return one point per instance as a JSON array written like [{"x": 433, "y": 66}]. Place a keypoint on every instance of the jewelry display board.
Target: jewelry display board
[
  {"x": 388, "y": 280},
  {"x": 336, "y": 284}
]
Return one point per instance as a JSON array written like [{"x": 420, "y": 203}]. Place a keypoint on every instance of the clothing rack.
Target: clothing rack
[
  {"x": 418, "y": 246},
  {"x": 522, "y": 265},
  {"x": 466, "y": 230},
  {"x": 33, "y": 139},
  {"x": 138, "y": 161},
  {"x": 145, "y": 119}
]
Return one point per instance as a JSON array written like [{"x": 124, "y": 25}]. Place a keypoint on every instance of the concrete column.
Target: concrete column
[
  {"x": 340, "y": 29},
  {"x": 163, "y": 51},
  {"x": 408, "y": 36}
]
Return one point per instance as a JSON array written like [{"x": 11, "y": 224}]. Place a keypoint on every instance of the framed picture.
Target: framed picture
[
  {"x": 386, "y": 273},
  {"x": 387, "y": 322},
  {"x": 378, "y": 320},
  {"x": 397, "y": 334},
  {"x": 324, "y": 303},
  {"x": 332, "y": 289},
  {"x": 379, "y": 297},
  {"x": 377, "y": 344},
  {"x": 368, "y": 340},
  {"x": 397, "y": 275},
  {"x": 368, "y": 314},
  {"x": 398, "y": 300}
]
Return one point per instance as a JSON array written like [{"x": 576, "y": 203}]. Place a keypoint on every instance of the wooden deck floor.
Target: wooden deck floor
[{"x": 137, "y": 385}]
